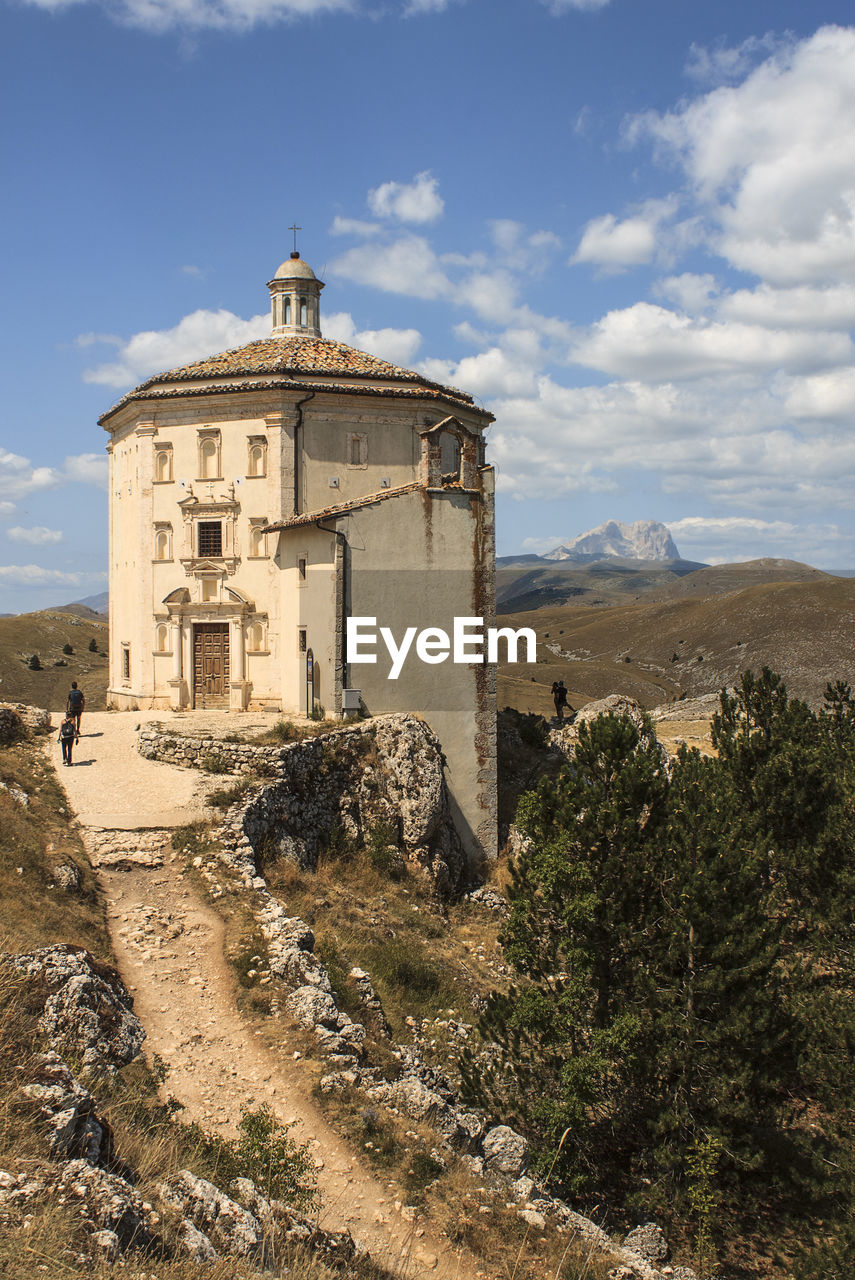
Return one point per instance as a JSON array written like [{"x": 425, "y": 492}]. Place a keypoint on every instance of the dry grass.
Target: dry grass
[{"x": 34, "y": 839}]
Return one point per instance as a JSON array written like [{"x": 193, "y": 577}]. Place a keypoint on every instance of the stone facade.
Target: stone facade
[{"x": 260, "y": 498}]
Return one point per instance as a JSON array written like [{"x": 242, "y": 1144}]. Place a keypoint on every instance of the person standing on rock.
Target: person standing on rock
[
  {"x": 75, "y": 704},
  {"x": 559, "y": 697},
  {"x": 68, "y": 735}
]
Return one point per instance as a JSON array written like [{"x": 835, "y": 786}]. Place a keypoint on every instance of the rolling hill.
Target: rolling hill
[
  {"x": 690, "y": 642},
  {"x": 45, "y": 634}
]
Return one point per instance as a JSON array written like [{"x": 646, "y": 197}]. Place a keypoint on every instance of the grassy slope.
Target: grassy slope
[
  {"x": 801, "y": 629},
  {"x": 45, "y": 634}
]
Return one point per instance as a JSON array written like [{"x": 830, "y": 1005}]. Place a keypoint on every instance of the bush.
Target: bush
[
  {"x": 191, "y": 838},
  {"x": 225, "y": 797},
  {"x": 285, "y": 731},
  {"x": 93, "y": 645},
  {"x": 213, "y": 763},
  {"x": 11, "y": 727},
  {"x": 66, "y": 648},
  {"x": 318, "y": 712},
  {"x": 280, "y": 1167},
  {"x": 382, "y": 849},
  {"x": 33, "y": 663},
  {"x": 534, "y": 731}
]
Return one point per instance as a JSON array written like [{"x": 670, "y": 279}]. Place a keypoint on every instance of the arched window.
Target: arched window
[
  {"x": 286, "y": 309},
  {"x": 257, "y": 460},
  {"x": 257, "y": 640},
  {"x": 163, "y": 544},
  {"x": 161, "y": 638},
  {"x": 304, "y": 312},
  {"x": 163, "y": 465},
  {"x": 209, "y": 454},
  {"x": 257, "y": 541}
]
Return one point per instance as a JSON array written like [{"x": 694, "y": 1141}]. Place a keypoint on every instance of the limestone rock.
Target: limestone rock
[
  {"x": 73, "y": 1127},
  {"x": 106, "y": 1245},
  {"x": 196, "y": 1244},
  {"x": 490, "y": 899},
  {"x": 648, "y": 1241},
  {"x": 229, "y": 1227},
  {"x": 505, "y": 1151},
  {"x": 88, "y": 1010},
  {"x": 68, "y": 877},
  {"x": 104, "y": 1201}
]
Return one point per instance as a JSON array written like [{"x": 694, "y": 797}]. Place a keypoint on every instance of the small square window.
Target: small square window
[{"x": 210, "y": 538}]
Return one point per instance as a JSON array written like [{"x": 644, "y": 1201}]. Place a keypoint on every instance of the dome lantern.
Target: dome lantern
[{"x": 295, "y": 300}]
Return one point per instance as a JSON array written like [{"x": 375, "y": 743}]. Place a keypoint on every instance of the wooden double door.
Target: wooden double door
[{"x": 211, "y": 664}]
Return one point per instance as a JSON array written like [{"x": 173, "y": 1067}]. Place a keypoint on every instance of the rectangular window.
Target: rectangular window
[
  {"x": 357, "y": 449},
  {"x": 210, "y": 538},
  {"x": 126, "y": 663},
  {"x": 301, "y": 567},
  {"x": 301, "y": 640}
]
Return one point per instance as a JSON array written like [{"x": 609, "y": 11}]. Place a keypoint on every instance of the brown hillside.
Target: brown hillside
[
  {"x": 663, "y": 649},
  {"x": 44, "y": 634}
]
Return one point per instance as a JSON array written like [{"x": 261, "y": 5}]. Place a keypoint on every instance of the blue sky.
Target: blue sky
[{"x": 626, "y": 226}]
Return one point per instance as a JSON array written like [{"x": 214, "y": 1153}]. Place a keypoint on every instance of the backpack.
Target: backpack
[
  {"x": 66, "y": 731},
  {"x": 75, "y": 699}
]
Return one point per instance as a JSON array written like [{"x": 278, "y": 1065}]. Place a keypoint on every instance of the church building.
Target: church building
[{"x": 262, "y": 497}]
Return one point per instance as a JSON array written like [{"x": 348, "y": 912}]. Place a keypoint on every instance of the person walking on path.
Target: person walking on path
[
  {"x": 68, "y": 735},
  {"x": 75, "y": 704}
]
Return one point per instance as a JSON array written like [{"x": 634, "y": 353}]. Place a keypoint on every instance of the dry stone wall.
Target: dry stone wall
[{"x": 383, "y": 775}]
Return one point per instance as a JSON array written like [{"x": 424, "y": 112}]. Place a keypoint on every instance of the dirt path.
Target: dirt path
[{"x": 169, "y": 947}]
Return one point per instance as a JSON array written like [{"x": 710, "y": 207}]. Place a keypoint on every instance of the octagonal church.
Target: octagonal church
[{"x": 262, "y": 497}]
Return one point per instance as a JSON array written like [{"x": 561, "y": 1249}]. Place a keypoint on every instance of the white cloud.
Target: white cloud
[
  {"x": 397, "y": 345},
  {"x": 723, "y": 63},
  {"x": 824, "y": 396},
  {"x": 693, "y": 293},
  {"x": 194, "y": 337},
  {"x": 539, "y": 546},
  {"x": 86, "y": 468},
  {"x": 614, "y": 244},
  {"x": 802, "y": 307},
  {"x": 426, "y": 6},
  {"x": 416, "y": 201},
  {"x": 33, "y": 575},
  {"x": 225, "y": 15},
  {"x": 653, "y": 343},
  {"x": 771, "y": 161},
  {"x": 353, "y": 227},
  {"x": 18, "y": 476},
  {"x": 197, "y": 273},
  {"x": 38, "y": 536},
  {"x": 408, "y": 266},
  {"x": 722, "y": 539}
]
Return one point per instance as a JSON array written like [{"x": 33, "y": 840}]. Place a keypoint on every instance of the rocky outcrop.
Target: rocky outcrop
[
  {"x": 32, "y": 717},
  {"x": 105, "y": 1202},
  {"x": 87, "y": 1009},
  {"x": 73, "y": 1128},
  {"x": 564, "y": 737},
  {"x": 246, "y": 1226},
  {"x": 383, "y": 775}
]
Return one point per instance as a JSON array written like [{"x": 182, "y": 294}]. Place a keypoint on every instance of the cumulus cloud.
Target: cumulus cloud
[
  {"x": 770, "y": 161},
  {"x": 397, "y": 345},
  {"x": 654, "y": 343},
  {"x": 86, "y": 468},
  {"x": 721, "y": 539},
  {"x": 614, "y": 244},
  {"x": 408, "y": 266},
  {"x": 37, "y": 536},
  {"x": 353, "y": 227},
  {"x": 416, "y": 201},
  {"x": 19, "y": 478},
  {"x": 692, "y": 292},
  {"x": 194, "y": 337},
  {"x": 557, "y": 7}
]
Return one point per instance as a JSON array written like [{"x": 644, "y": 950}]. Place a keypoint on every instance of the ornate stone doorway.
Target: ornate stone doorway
[{"x": 210, "y": 664}]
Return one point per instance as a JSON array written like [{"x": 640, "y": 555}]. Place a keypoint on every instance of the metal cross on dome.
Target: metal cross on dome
[{"x": 295, "y": 229}]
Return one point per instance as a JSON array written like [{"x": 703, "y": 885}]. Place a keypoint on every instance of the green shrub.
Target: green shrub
[
  {"x": 285, "y": 731},
  {"x": 278, "y": 1165},
  {"x": 11, "y": 727},
  {"x": 224, "y": 797},
  {"x": 193, "y": 837},
  {"x": 534, "y": 731},
  {"x": 213, "y": 763},
  {"x": 93, "y": 645},
  {"x": 318, "y": 712},
  {"x": 66, "y": 648},
  {"x": 33, "y": 663}
]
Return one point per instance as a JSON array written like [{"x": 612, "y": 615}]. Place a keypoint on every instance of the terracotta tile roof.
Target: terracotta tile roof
[
  {"x": 422, "y": 391},
  {"x": 327, "y": 513},
  {"x": 292, "y": 361}
]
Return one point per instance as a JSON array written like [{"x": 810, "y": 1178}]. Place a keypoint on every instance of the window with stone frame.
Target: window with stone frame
[
  {"x": 257, "y": 539},
  {"x": 256, "y": 463},
  {"x": 163, "y": 464},
  {"x": 357, "y": 449},
  {"x": 163, "y": 541},
  {"x": 257, "y": 637},
  {"x": 161, "y": 638},
  {"x": 210, "y": 467},
  {"x": 126, "y": 663},
  {"x": 210, "y": 537}
]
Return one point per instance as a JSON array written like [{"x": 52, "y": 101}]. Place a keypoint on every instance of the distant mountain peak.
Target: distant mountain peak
[{"x": 642, "y": 540}]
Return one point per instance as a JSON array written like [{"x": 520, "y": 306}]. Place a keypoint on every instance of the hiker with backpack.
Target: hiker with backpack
[
  {"x": 68, "y": 735},
  {"x": 74, "y": 705}
]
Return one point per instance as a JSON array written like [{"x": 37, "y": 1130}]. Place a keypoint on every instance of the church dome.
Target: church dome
[{"x": 295, "y": 268}]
